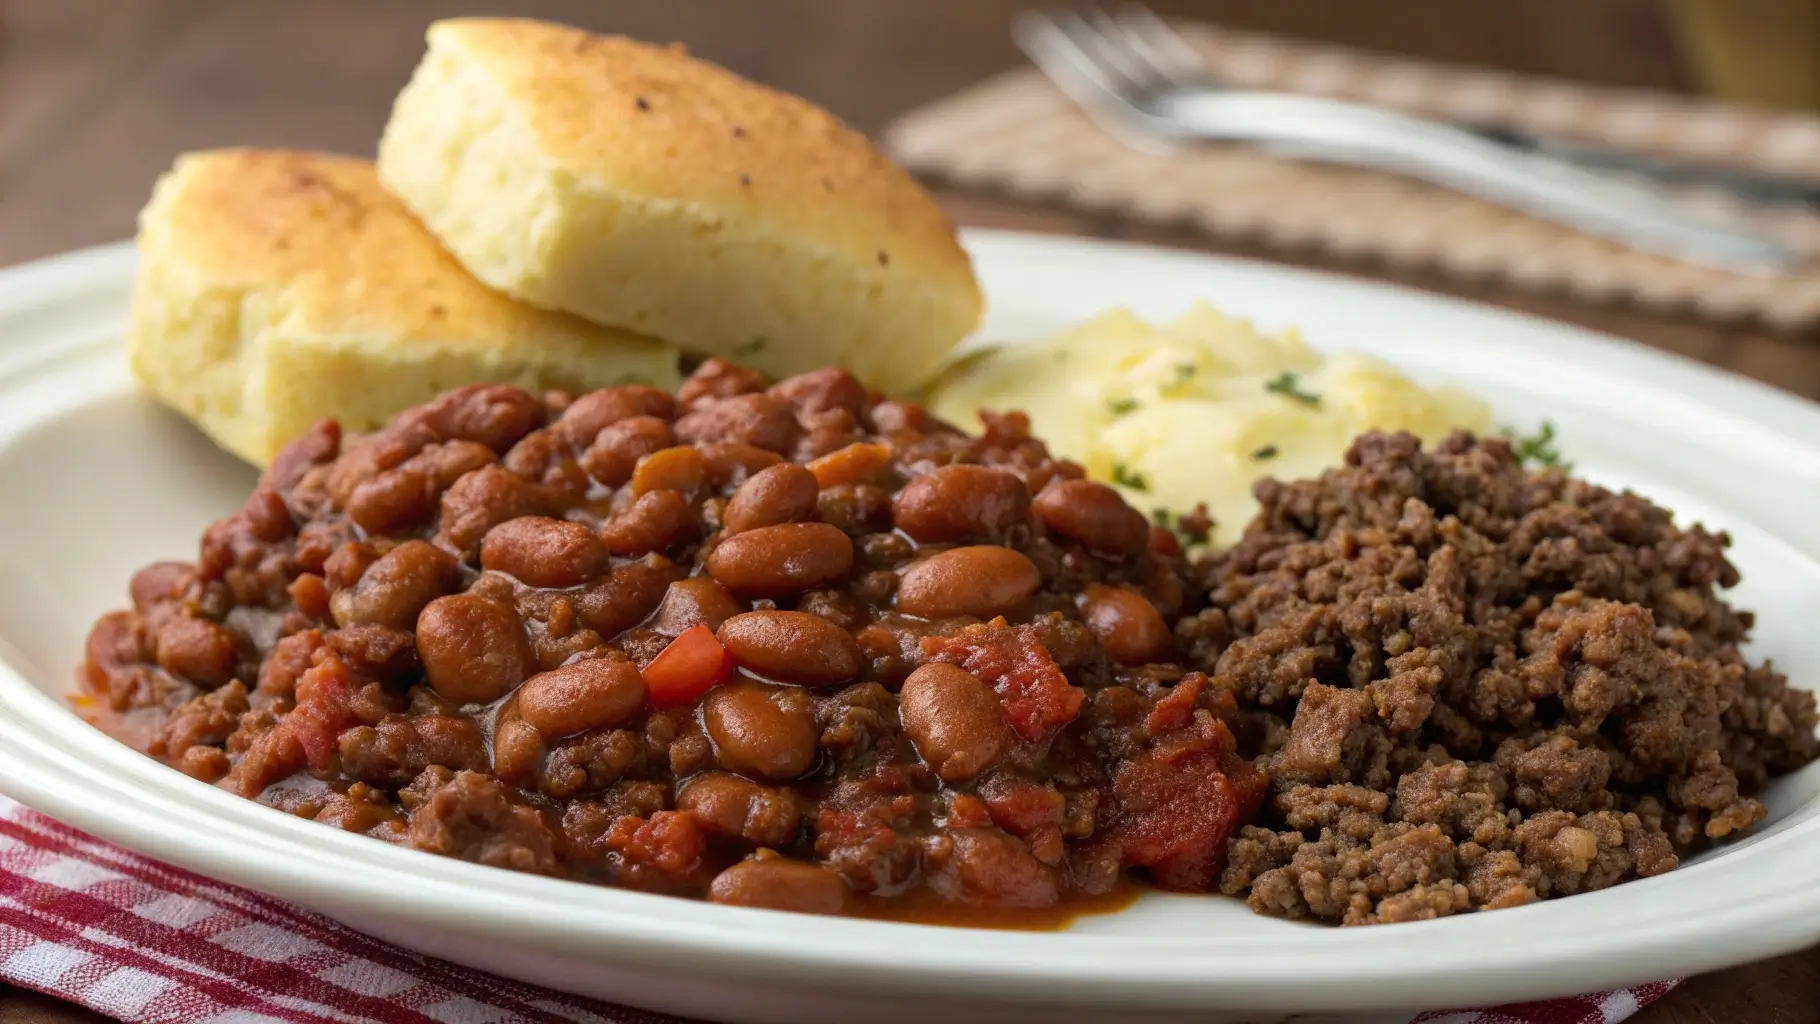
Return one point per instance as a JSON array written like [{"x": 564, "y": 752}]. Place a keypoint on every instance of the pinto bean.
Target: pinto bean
[
  {"x": 201, "y": 651},
  {"x": 1126, "y": 624},
  {"x": 795, "y": 647},
  {"x": 891, "y": 417},
  {"x": 393, "y": 500},
  {"x": 595, "y": 411},
  {"x": 981, "y": 581},
  {"x": 955, "y": 721},
  {"x": 473, "y": 650},
  {"x": 591, "y": 694},
  {"x": 544, "y": 552},
  {"x": 820, "y": 390},
  {"x": 518, "y": 749},
  {"x": 718, "y": 378},
  {"x": 784, "y": 493},
  {"x": 755, "y": 419},
  {"x": 622, "y": 598},
  {"x": 1094, "y": 515},
  {"x": 616, "y": 450},
  {"x": 735, "y": 807},
  {"x": 694, "y": 602},
  {"x": 788, "y": 558},
  {"x": 392, "y": 590},
  {"x": 731, "y": 463},
  {"x": 655, "y": 522},
  {"x": 495, "y": 415},
  {"x": 779, "y": 883},
  {"x": 159, "y": 581},
  {"x": 760, "y": 730},
  {"x": 961, "y": 502},
  {"x": 481, "y": 500}
]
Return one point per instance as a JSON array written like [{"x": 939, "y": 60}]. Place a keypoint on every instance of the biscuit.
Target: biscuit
[
  {"x": 279, "y": 288},
  {"x": 635, "y": 186}
]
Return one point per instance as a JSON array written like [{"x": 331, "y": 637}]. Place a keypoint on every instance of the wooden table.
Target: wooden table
[{"x": 97, "y": 96}]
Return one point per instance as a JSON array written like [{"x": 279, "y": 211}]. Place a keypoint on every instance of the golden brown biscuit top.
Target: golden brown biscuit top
[
  {"x": 652, "y": 122},
  {"x": 342, "y": 248}
]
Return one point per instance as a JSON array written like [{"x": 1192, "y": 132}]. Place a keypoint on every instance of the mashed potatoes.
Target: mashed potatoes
[{"x": 1195, "y": 410}]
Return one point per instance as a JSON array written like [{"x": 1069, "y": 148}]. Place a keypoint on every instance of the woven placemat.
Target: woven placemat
[{"x": 1017, "y": 133}]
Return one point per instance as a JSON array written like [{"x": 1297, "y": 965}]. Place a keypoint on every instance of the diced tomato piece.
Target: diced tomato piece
[
  {"x": 1176, "y": 709},
  {"x": 836, "y": 824},
  {"x": 1037, "y": 696},
  {"x": 967, "y": 811},
  {"x": 324, "y": 709},
  {"x": 670, "y": 841},
  {"x": 1179, "y": 802},
  {"x": 693, "y": 663},
  {"x": 1022, "y": 808}
]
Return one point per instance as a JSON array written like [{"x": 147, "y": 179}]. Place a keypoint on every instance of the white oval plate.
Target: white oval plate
[{"x": 96, "y": 480}]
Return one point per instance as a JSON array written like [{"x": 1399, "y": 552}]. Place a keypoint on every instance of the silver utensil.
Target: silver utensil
[{"x": 1141, "y": 82}]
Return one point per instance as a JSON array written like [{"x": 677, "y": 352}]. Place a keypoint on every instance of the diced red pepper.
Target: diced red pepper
[
  {"x": 694, "y": 663},
  {"x": 1037, "y": 696}
]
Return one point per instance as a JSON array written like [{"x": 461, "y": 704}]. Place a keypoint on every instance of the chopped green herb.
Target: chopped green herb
[
  {"x": 1184, "y": 372},
  {"x": 1192, "y": 529},
  {"x": 1269, "y": 451},
  {"x": 1538, "y": 449},
  {"x": 1125, "y": 476},
  {"x": 752, "y": 348},
  {"x": 1121, "y": 406},
  {"x": 1288, "y": 385}
]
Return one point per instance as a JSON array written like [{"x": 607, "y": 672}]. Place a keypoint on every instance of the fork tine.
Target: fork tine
[
  {"x": 1107, "y": 97},
  {"x": 1102, "y": 35},
  {"x": 1099, "y": 37},
  {"x": 1077, "y": 72},
  {"x": 1163, "y": 47}
]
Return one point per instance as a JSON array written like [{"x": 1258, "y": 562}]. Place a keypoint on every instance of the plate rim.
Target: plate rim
[{"x": 1042, "y": 967}]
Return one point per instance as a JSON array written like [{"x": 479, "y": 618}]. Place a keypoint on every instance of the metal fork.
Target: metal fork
[{"x": 1143, "y": 83}]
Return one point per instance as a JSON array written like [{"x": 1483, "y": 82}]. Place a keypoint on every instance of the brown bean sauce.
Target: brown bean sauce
[{"x": 518, "y": 630}]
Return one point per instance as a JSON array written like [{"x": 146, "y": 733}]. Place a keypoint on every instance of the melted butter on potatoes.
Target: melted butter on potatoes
[{"x": 1198, "y": 409}]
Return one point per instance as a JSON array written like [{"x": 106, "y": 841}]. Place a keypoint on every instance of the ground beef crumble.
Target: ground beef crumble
[{"x": 1476, "y": 686}]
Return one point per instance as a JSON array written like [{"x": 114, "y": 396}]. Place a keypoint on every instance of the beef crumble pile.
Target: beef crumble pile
[
  {"x": 1478, "y": 687},
  {"x": 787, "y": 646}
]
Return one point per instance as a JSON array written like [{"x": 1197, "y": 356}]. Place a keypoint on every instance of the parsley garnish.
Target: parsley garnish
[
  {"x": 1121, "y": 406},
  {"x": 1537, "y": 449},
  {"x": 1269, "y": 451},
  {"x": 752, "y": 348},
  {"x": 1125, "y": 476},
  {"x": 1184, "y": 372},
  {"x": 1288, "y": 384}
]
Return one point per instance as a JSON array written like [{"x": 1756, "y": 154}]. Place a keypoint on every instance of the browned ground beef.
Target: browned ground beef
[
  {"x": 779, "y": 645},
  {"x": 1477, "y": 686}
]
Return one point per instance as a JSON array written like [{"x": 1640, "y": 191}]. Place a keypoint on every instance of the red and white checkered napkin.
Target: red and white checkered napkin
[{"x": 142, "y": 941}]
